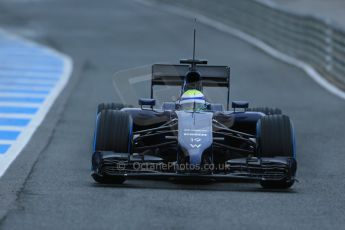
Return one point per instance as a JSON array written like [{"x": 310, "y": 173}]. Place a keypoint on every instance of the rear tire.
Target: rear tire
[
  {"x": 276, "y": 139},
  {"x": 111, "y": 106},
  {"x": 113, "y": 133},
  {"x": 265, "y": 110}
]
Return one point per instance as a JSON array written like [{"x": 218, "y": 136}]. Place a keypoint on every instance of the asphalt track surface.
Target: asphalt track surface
[{"x": 49, "y": 186}]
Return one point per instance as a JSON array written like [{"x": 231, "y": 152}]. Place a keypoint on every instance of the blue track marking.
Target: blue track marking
[
  {"x": 17, "y": 73},
  {"x": 32, "y": 60},
  {"x": 27, "y": 84},
  {"x": 22, "y": 99},
  {"x": 4, "y": 148},
  {"x": 21, "y": 91},
  {"x": 21, "y": 122},
  {"x": 9, "y": 135},
  {"x": 19, "y": 110},
  {"x": 42, "y": 70},
  {"x": 16, "y": 78},
  {"x": 31, "y": 78}
]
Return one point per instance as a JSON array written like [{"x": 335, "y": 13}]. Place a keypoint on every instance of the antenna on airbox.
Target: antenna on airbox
[
  {"x": 193, "y": 62},
  {"x": 194, "y": 34},
  {"x": 192, "y": 78}
]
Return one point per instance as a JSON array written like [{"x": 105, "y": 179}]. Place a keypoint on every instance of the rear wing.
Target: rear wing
[{"x": 174, "y": 75}]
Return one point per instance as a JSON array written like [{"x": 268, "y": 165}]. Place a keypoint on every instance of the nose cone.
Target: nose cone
[{"x": 194, "y": 134}]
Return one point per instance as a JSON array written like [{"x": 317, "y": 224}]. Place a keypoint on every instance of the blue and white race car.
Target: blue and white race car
[{"x": 192, "y": 138}]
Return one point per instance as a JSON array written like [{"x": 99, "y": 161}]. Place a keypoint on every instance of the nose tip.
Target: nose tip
[{"x": 195, "y": 157}]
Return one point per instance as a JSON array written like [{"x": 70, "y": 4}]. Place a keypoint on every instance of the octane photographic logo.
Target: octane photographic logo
[
  {"x": 132, "y": 84},
  {"x": 171, "y": 167}
]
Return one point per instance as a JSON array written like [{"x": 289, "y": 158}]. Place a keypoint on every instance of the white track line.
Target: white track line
[
  {"x": 16, "y": 115},
  {"x": 27, "y": 95},
  {"x": 15, "y": 149},
  {"x": 21, "y": 104},
  {"x": 15, "y": 73},
  {"x": 21, "y": 87},
  {"x": 308, "y": 69},
  {"x": 26, "y": 81},
  {"x": 12, "y": 128}
]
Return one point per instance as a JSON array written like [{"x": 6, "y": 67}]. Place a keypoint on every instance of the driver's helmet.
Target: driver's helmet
[{"x": 192, "y": 100}]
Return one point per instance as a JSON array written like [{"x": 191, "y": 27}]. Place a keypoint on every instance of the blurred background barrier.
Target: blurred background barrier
[{"x": 316, "y": 41}]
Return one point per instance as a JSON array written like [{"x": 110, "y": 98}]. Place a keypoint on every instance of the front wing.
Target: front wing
[{"x": 110, "y": 164}]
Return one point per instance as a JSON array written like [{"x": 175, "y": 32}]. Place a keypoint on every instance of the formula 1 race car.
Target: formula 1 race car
[{"x": 192, "y": 138}]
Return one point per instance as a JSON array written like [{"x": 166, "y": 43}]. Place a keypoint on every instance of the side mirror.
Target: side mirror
[
  {"x": 240, "y": 104},
  {"x": 147, "y": 102}
]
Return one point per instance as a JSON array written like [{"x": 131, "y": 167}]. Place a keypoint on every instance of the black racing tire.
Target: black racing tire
[
  {"x": 113, "y": 131},
  {"x": 276, "y": 139},
  {"x": 266, "y": 110},
  {"x": 275, "y": 136},
  {"x": 111, "y": 106}
]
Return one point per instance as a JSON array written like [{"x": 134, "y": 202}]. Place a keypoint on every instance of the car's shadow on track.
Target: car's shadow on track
[{"x": 234, "y": 186}]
